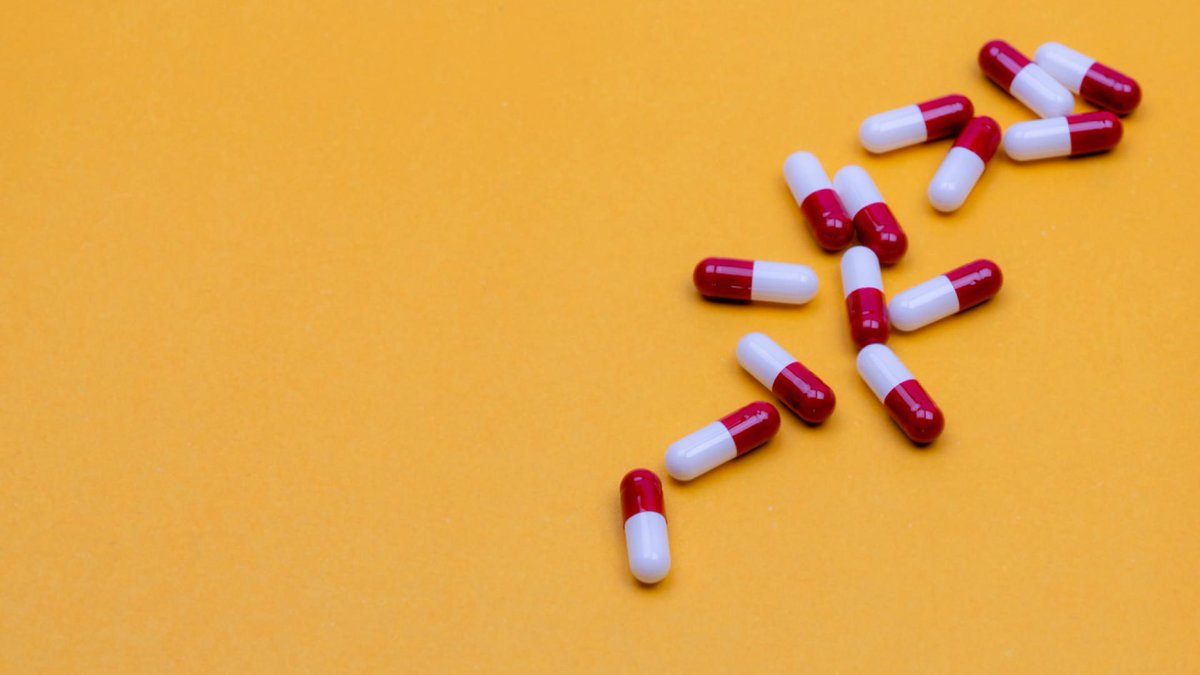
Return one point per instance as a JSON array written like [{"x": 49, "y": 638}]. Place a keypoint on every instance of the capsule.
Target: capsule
[
  {"x": 863, "y": 286},
  {"x": 732, "y": 436},
  {"x": 913, "y": 124},
  {"x": 1072, "y": 135},
  {"x": 1095, "y": 82},
  {"x": 964, "y": 164},
  {"x": 645, "y": 526},
  {"x": 877, "y": 228},
  {"x": 811, "y": 189},
  {"x": 909, "y": 406},
  {"x": 1013, "y": 72},
  {"x": 802, "y": 392},
  {"x": 955, "y": 291},
  {"x": 746, "y": 280}
]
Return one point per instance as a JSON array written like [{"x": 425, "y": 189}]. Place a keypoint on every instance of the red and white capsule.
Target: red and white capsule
[
  {"x": 734, "y": 435},
  {"x": 1013, "y": 72},
  {"x": 964, "y": 164},
  {"x": 645, "y": 526},
  {"x": 746, "y": 280},
  {"x": 913, "y": 124},
  {"x": 955, "y": 291},
  {"x": 909, "y": 406},
  {"x": 1067, "y": 136},
  {"x": 877, "y": 228},
  {"x": 811, "y": 189},
  {"x": 1095, "y": 82},
  {"x": 800, "y": 390},
  {"x": 862, "y": 284}
]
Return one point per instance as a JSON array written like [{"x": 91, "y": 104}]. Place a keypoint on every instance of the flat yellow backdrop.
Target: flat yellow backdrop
[{"x": 327, "y": 332}]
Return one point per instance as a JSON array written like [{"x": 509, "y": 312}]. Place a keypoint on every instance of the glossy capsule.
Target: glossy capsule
[
  {"x": 1013, "y": 72},
  {"x": 645, "y": 526},
  {"x": 863, "y": 286},
  {"x": 955, "y": 291},
  {"x": 909, "y": 406},
  {"x": 731, "y": 436},
  {"x": 746, "y": 280},
  {"x": 964, "y": 164},
  {"x": 811, "y": 189},
  {"x": 877, "y": 228},
  {"x": 1072, "y": 135},
  {"x": 1095, "y": 82},
  {"x": 918, "y": 123},
  {"x": 800, "y": 390}
]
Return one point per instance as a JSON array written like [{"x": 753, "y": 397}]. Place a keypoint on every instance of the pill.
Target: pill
[
  {"x": 1072, "y": 135},
  {"x": 745, "y": 280},
  {"x": 955, "y": 291},
  {"x": 1025, "y": 80},
  {"x": 863, "y": 287},
  {"x": 1095, "y": 82},
  {"x": 877, "y": 228},
  {"x": 645, "y": 526},
  {"x": 800, "y": 390},
  {"x": 734, "y": 435},
  {"x": 811, "y": 189},
  {"x": 917, "y": 123},
  {"x": 964, "y": 164},
  {"x": 909, "y": 406}
]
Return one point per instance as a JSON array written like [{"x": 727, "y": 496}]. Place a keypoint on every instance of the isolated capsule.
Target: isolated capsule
[
  {"x": 877, "y": 228},
  {"x": 800, "y": 390},
  {"x": 909, "y": 406},
  {"x": 645, "y": 526},
  {"x": 1095, "y": 82},
  {"x": 955, "y": 291},
  {"x": 964, "y": 164},
  {"x": 811, "y": 189},
  {"x": 1013, "y": 72},
  {"x": 1072, "y": 135},
  {"x": 734, "y": 435},
  {"x": 917, "y": 123},
  {"x": 746, "y": 280},
  {"x": 865, "y": 306}
]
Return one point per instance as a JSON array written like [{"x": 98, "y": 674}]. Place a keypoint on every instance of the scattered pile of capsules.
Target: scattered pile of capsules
[{"x": 851, "y": 203}]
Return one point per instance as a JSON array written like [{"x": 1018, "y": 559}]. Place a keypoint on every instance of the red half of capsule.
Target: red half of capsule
[
  {"x": 945, "y": 116},
  {"x": 752, "y": 426},
  {"x": 1106, "y": 88},
  {"x": 915, "y": 413},
  {"x": 981, "y": 136},
  {"x": 641, "y": 490},
  {"x": 827, "y": 218},
  {"x": 975, "y": 282},
  {"x": 1001, "y": 62},
  {"x": 724, "y": 278},
  {"x": 1094, "y": 132},
  {"x": 804, "y": 393},
  {"x": 879, "y": 231},
  {"x": 868, "y": 317}
]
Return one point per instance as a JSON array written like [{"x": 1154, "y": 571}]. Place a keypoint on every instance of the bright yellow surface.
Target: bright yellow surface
[{"x": 327, "y": 333}]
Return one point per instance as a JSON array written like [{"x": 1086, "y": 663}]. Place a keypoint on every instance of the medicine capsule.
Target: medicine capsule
[
  {"x": 746, "y": 280},
  {"x": 863, "y": 286},
  {"x": 955, "y": 291},
  {"x": 1095, "y": 82},
  {"x": 802, "y": 392},
  {"x": 645, "y": 526},
  {"x": 1013, "y": 72},
  {"x": 964, "y": 164},
  {"x": 907, "y": 403},
  {"x": 732, "y": 436},
  {"x": 877, "y": 228},
  {"x": 814, "y": 193},
  {"x": 917, "y": 123},
  {"x": 1063, "y": 136}
]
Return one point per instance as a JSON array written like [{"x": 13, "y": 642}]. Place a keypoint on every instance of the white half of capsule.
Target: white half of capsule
[
  {"x": 893, "y": 129},
  {"x": 1038, "y": 139},
  {"x": 762, "y": 358},
  {"x": 881, "y": 370},
  {"x": 1064, "y": 64},
  {"x": 783, "y": 282},
  {"x": 856, "y": 189},
  {"x": 955, "y": 179},
  {"x": 923, "y": 304},
  {"x": 860, "y": 269},
  {"x": 1041, "y": 93},
  {"x": 646, "y": 543},
  {"x": 700, "y": 452},
  {"x": 805, "y": 175}
]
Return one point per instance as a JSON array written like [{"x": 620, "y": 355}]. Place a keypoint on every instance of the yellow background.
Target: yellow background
[{"x": 327, "y": 332}]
